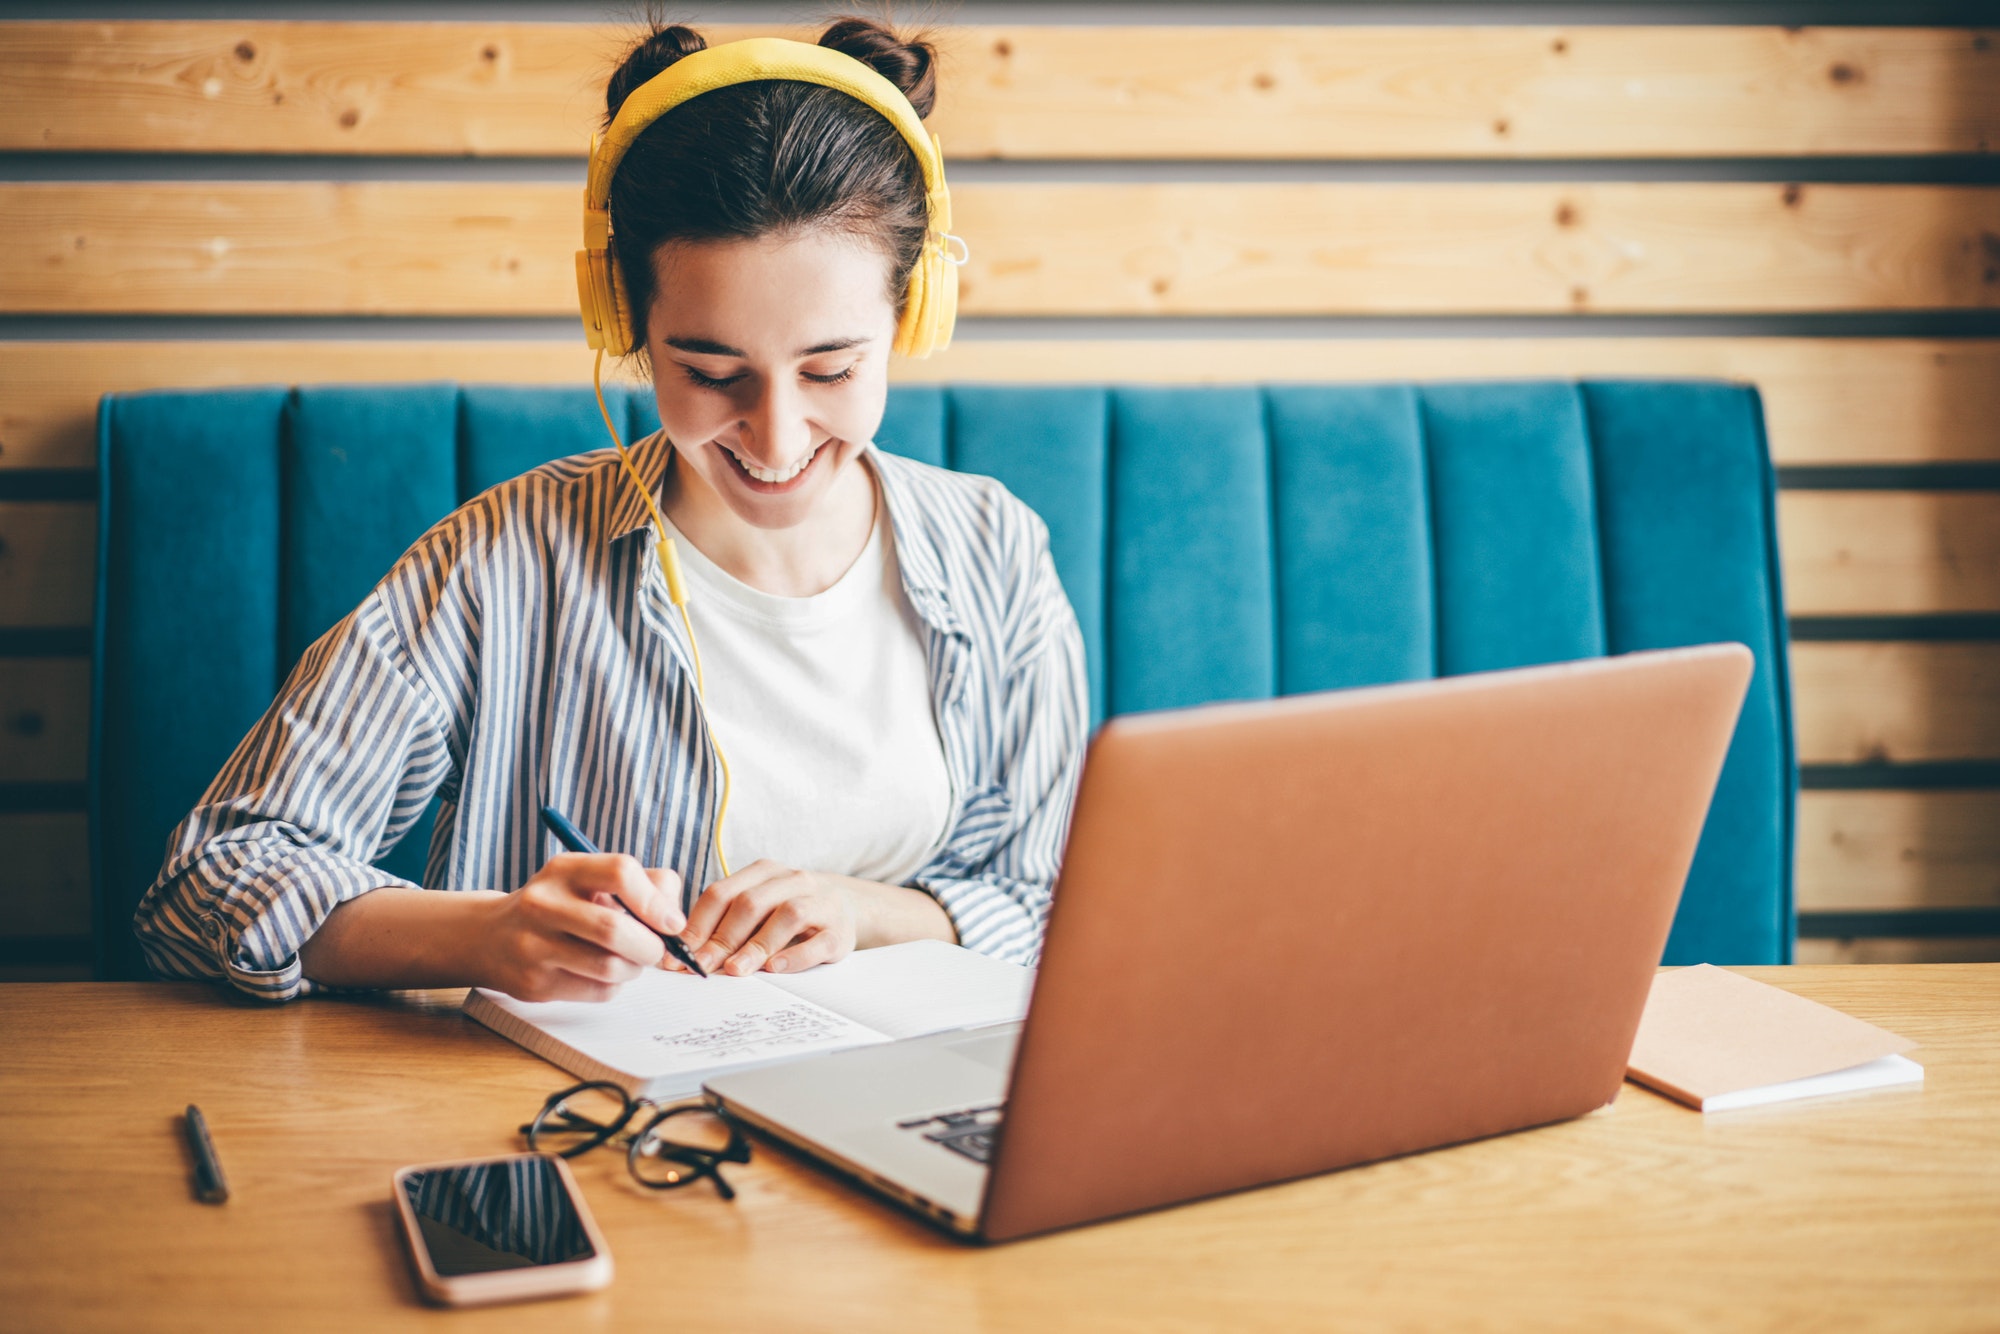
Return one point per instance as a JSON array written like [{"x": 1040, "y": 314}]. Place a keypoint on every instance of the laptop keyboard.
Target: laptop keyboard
[{"x": 970, "y": 1132}]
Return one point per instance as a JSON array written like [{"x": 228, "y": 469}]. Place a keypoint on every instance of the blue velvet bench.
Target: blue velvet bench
[{"x": 1218, "y": 543}]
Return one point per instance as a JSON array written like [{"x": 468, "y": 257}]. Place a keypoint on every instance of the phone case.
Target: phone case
[{"x": 505, "y": 1285}]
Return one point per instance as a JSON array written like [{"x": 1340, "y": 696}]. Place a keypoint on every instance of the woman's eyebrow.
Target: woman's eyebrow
[
  {"x": 832, "y": 345},
  {"x": 708, "y": 347},
  {"x": 704, "y": 347}
]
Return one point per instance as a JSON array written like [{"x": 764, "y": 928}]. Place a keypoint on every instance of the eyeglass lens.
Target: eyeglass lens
[{"x": 579, "y": 1119}]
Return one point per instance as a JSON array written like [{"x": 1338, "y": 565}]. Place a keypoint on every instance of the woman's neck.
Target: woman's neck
[{"x": 800, "y": 561}]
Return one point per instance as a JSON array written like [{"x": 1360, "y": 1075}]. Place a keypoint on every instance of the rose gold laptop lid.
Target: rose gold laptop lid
[{"x": 1300, "y": 934}]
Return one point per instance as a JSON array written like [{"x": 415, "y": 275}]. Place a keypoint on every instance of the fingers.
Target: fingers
[
  {"x": 716, "y": 901},
  {"x": 811, "y": 951},
  {"x": 766, "y": 911},
  {"x": 783, "y": 924},
  {"x": 575, "y": 895}
]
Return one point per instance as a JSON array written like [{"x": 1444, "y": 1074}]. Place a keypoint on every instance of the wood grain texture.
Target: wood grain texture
[
  {"x": 1890, "y": 552},
  {"x": 44, "y": 720},
  {"x": 1648, "y": 1217},
  {"x": 1883, "y": 851},
  {"x": 1867, "y": 703},
  {"x": 1023, "y": 91},
  {"x": 1826, "y": 400},
  {"x": 405, "y": 248},
  {"x": 45, "y": 875},
  {"x": 48, "y": 563}
]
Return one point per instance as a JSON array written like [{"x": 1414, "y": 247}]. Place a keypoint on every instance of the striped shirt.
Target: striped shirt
[{"x": 524, "y": 653}]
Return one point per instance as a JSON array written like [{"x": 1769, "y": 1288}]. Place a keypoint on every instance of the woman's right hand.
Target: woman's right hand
[{"x": 562, "y": 935}]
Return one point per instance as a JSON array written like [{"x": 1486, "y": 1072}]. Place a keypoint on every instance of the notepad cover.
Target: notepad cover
[{"x": 1707, "y": 1033}]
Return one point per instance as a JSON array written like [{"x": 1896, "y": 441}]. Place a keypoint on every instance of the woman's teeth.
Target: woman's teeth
[{"x": 774, "y": 476}]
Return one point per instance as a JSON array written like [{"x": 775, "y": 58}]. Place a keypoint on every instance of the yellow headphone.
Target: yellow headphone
[
  {"x": 929, "y": 310},
  {"x": 931, "y": 307}
]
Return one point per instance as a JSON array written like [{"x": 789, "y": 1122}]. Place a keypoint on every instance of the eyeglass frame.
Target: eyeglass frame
[{"x": 699, "y": 1162}]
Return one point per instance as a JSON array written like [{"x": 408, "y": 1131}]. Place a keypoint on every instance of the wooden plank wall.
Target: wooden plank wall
[{"x": 1814, "y": 209}]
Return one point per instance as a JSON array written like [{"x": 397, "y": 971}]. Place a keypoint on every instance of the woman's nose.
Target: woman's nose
[{"x": 777, "y": 427}]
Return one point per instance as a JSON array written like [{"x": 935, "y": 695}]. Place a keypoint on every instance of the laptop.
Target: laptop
[{"x": 1300, "y": 934}]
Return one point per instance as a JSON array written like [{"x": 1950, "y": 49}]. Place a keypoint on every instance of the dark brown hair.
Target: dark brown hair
[{"x": 770, "y": 157}]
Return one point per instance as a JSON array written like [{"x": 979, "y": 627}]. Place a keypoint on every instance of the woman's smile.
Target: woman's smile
[{"x": 772, "y": 481}]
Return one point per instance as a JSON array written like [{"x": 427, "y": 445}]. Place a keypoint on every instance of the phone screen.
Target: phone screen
[{"x": 512, "y": 1213}]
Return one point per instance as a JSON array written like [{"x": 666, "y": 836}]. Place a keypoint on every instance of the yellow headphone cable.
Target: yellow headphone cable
[{"x": 670, "y": 565}]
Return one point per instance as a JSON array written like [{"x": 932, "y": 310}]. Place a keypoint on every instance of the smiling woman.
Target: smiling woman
[{"x": 891, "y": 661}]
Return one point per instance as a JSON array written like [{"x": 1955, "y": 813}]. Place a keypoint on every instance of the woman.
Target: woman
[{"x": 891, "y": 666}]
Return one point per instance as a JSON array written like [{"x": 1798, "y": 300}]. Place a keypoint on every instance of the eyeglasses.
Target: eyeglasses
[{"x": 676, "y": 1146}]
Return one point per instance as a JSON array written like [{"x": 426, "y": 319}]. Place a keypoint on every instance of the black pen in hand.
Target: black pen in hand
[{"x": 572, "y": 838}]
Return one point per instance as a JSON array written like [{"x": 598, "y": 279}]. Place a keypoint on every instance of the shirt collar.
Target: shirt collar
[{"x": 628, "y": 508}]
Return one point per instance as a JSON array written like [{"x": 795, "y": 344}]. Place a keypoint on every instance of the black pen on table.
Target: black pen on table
[
  {"x": 572, "y": 838},
  {"x": 210, "y": 1186}
]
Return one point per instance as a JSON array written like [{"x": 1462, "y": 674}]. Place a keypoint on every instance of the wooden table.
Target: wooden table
[{"x": 1879, "y": 1210}]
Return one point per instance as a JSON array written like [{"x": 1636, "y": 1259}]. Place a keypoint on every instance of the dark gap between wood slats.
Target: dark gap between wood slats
[
  {"x": 18, "y": 950},
  {"x": 43, "y": 798},
  {"x": 1924, "y": 924}
]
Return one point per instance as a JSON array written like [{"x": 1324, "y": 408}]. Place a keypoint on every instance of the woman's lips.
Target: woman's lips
[{"x": 765, "y": 488}]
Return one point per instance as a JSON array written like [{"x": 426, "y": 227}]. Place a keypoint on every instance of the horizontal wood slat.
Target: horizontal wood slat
[
  {"x": 45, "y": 875},
  {"x": 44, "y": 720},
  {"x": 1884, "y": 851},
  {"x": 48, "y": 563},
  {"x": 1865, "y": 553},
  {"x": 1965, "y": 949},
  {"x": 1897, "y": 703},
  {"x": 387, "y": 248},
  {"x": 1826, "y": 400},
  {"x": 1040, "y": 91}
]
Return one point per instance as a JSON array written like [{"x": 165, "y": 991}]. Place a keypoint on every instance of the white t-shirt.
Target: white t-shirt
[{"x": 822, "y": 706}]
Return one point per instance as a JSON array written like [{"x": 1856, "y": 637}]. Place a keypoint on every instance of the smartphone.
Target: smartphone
[{"x": 500, "y": 1230}]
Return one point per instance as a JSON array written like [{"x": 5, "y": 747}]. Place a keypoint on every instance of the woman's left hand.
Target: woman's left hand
[{"x": 771, "y": 917}]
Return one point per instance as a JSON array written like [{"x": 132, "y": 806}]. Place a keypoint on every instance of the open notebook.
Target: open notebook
[{"x": 665, "y": 1032}]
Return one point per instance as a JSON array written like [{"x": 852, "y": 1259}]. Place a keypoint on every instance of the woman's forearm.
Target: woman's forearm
[{"x": 400, "y": 937}]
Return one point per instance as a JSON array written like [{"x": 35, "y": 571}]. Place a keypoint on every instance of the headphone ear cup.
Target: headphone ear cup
[
  {"x": 909, "y": 325},
  {"x": 620, "y": 308},
  {"x": 929, "y": 308},
  {"x": 944, "y": 300},
  {"x": 587, "y": 300},
  {"x": 600, "y": 294}
]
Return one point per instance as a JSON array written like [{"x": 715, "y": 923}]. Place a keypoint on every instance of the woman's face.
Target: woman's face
[{"x": 770, "y": 364}]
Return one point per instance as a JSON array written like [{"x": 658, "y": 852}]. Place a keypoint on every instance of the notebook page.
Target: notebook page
[
  {"x": 1884, "y": 1072},
  {"x": 922, "y": 986},
  {"x": 665, "y": 1027}
]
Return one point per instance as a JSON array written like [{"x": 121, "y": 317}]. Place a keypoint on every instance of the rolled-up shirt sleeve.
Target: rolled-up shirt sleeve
[
  {"x": 1000, "y": 906},
  {"x": 342, "y": 764}
]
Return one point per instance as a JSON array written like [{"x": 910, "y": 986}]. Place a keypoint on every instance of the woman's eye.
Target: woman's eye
[
  {"x": 835, "y": 378},
  {"x": 710, "y": 381}
]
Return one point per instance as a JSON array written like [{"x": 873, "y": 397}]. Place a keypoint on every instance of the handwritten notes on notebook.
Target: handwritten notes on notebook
[{"x": 667, "y": 1032}]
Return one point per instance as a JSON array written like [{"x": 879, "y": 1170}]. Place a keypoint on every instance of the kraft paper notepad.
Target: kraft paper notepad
[{"x": 1717, "y": 1040}]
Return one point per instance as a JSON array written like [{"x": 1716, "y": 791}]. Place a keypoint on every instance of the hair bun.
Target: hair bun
[
  {"x": 911, "y": 66},
  {"x": 653, "y": 53}
]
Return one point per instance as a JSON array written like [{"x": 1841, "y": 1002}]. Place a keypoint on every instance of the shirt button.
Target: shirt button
[{"x": 211, "y": 928}]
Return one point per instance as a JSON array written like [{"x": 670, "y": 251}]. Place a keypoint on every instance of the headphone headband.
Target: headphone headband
[{"x": 931, "y": 307}]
